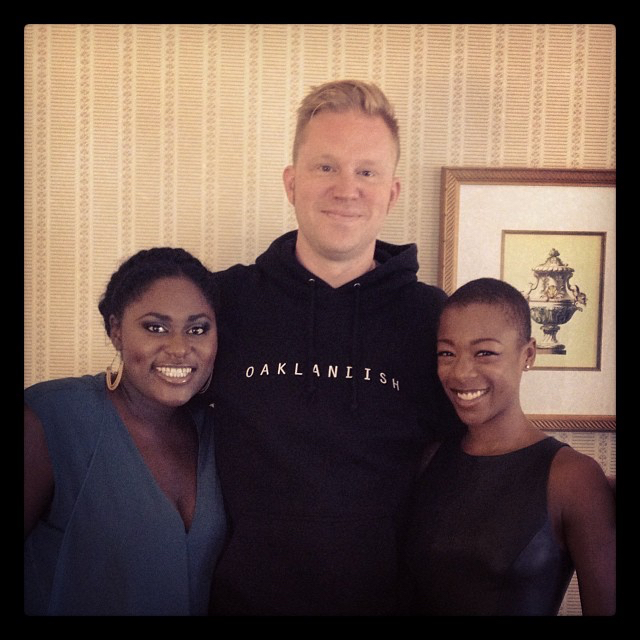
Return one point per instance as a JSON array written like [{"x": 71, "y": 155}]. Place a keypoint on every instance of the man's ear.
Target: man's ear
[
  {"x": 395, "y": 193},
  {"x": 288, "y": 177}
]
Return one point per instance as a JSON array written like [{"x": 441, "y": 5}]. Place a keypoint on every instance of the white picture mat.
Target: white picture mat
[{"x": 484, "y": 212}]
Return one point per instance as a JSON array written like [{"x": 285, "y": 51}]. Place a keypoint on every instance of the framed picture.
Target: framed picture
[{"x": 523, "y": 226}]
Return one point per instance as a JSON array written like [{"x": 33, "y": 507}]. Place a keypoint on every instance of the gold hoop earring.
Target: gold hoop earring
[
  {"x": 207, "y": 383},
  {"x": 112, "y": 385}
]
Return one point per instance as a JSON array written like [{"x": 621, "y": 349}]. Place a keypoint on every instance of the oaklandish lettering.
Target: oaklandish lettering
[{"x": 332, "y": 371}]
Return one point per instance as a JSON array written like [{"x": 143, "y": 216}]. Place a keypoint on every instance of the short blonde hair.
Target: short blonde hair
[{"x": 345, "y": 95}]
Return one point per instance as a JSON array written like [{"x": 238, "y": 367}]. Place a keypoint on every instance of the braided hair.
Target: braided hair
[{"x": 136, "y": 274}]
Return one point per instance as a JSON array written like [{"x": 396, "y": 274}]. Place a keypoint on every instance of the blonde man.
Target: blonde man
[{"x": 325, "y": 388}]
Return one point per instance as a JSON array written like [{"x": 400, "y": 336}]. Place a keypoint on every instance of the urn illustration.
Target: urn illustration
[{"x": 553, "y": 301}]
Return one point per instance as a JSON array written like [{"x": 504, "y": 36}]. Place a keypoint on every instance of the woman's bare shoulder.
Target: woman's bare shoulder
[{"x": 578, "y": 481}]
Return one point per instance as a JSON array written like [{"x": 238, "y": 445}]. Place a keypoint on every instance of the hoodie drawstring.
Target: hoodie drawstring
[
  {"x": 354, "y": 345},
  {"x": 311, "y": 336}
]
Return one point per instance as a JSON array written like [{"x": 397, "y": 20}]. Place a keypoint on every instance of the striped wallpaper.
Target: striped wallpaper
[{"x": 144, "y": 135}]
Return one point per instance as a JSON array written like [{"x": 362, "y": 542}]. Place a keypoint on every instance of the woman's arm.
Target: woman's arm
[
  {"x": 583, "y": 503},
  {"x": 38, "y": 472}
]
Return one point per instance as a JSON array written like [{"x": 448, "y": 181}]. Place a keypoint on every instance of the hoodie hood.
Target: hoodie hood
[{"x": 396, "y": 266}]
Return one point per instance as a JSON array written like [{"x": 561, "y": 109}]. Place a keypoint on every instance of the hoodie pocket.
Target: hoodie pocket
[{"x": 294, "y": 565}]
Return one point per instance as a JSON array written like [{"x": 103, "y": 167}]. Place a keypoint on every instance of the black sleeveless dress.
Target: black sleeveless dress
[{"x": 480, "y": 540}]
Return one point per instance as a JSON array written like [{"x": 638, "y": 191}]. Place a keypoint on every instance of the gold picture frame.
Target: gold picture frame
[{"x": 477, "y": 205}]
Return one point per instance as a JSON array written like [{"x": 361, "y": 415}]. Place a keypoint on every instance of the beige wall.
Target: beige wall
[{"x": 144, "y": 135}]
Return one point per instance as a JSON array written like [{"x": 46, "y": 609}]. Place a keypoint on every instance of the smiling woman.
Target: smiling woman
[
  {"x": 505, "y": 514},
  {"x": 481, "y": 357},
  {"x": 168, "y": 341},
  {"x": 149, "y": 442}
]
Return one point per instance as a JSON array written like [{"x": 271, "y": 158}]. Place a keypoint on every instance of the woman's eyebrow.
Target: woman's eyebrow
[{"x": 166, "y": 318}]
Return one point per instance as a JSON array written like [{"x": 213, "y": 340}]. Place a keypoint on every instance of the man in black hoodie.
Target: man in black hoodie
[{"x": 325, "y": 383}]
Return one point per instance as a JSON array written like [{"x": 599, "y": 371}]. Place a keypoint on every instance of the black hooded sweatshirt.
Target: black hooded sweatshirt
[{"x": 324, "y": 401}]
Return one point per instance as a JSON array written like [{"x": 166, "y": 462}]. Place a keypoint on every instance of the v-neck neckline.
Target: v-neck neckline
[{"x": 138, "y": 455}]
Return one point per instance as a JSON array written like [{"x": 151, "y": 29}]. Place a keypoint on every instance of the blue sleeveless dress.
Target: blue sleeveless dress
[{"x": 112, "y": 543}]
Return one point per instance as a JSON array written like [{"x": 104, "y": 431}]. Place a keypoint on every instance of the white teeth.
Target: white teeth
[
  {"x": 470, "y": 395},
  {"x": 175, "y": 372}
]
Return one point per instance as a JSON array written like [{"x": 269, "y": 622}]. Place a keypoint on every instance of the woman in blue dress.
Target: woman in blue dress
[{"x": 123, "y": 513}]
